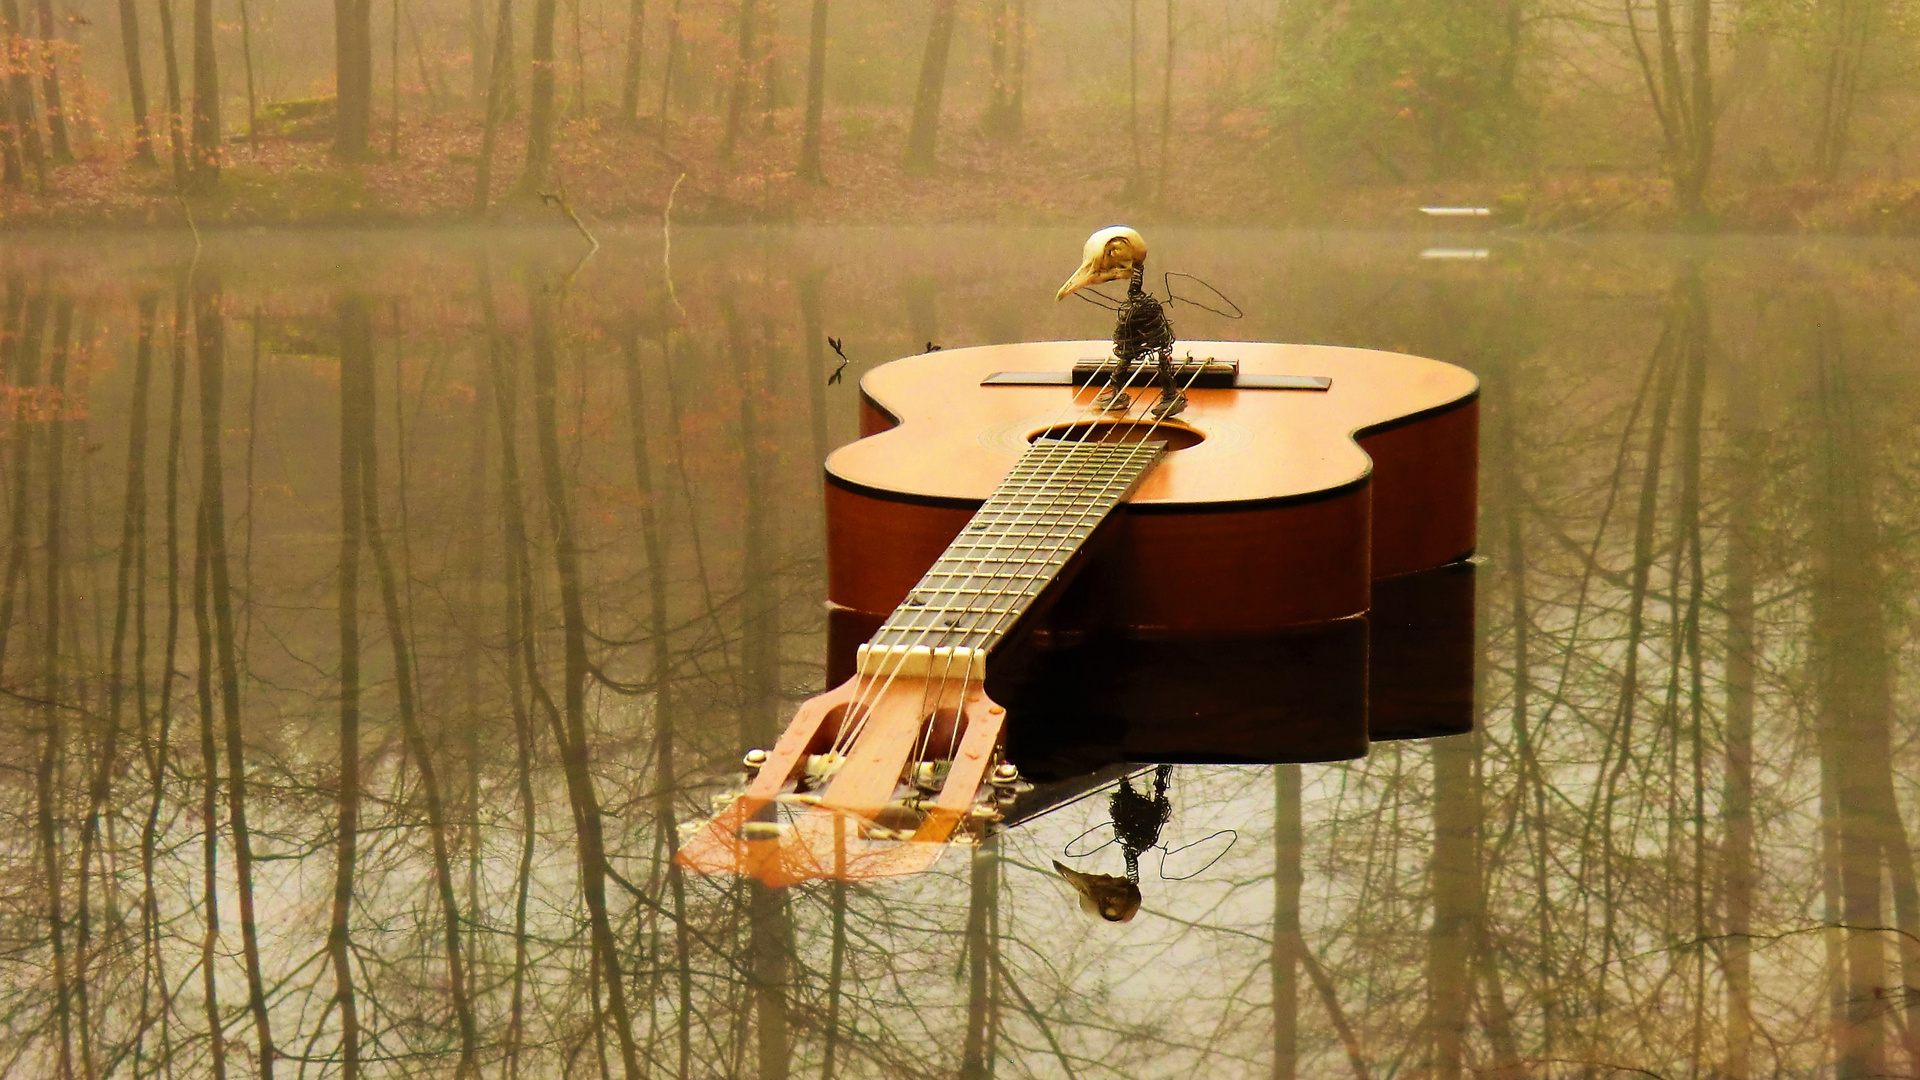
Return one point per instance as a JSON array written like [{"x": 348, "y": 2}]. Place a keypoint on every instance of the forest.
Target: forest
[{"x": 1556, "y": 115}]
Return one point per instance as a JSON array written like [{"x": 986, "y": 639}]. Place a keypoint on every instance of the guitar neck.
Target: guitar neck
[{"x": 1013, "y": 548}]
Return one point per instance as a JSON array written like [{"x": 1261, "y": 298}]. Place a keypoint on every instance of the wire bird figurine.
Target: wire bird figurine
[
  {"x": 1142, "y": 332},
  {"x": 1136, "y": 820}
]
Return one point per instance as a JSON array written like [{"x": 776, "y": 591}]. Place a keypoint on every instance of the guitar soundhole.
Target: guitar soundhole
[{"x": 1178, "y": 436}]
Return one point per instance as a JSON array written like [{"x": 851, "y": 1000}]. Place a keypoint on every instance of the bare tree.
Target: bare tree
[
  {"x": 353, "y": 77},
  {"x": 1681, "y": 92},
  {"x": 745, "y": 66},
  {"x": 136, "y": 82},
  {"x": 540, "y": 109},
  {"x": 630, "y": 71},
  {"x": 58, "y": 144},
  {"x": 925, "y": 130},
  {"x": 810, "y": 167},
  {"x": 206, "y": 99}
]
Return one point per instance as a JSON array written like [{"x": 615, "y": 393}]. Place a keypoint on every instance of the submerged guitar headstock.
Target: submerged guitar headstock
[{"x": 874, "y": 778}]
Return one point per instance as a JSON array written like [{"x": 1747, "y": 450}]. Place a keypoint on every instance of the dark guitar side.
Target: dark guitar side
[{"x": 1195, "y": 567}]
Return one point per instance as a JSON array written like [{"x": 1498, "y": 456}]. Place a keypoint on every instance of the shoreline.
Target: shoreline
[{"x": 619, "y": 176}]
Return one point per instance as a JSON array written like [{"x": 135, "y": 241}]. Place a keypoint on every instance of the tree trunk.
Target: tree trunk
[
  {"x": 209, "y": 798},
  {"x": 573, "y": 750},
  {"x": 925, "y": 132},
  {"x": 246, "y": 57},
  {"x": 158, "y": 742},
  {"x": 497, "y": 92},
  {"x": 1737, "y": 855},
  {"x": 1166, "y": 111},
  {"x": 356, "y": 391},
  {"x": 1682, "y": 98},
  {"x": 10, "y": 172},
  {"x": 770, "y": 940},
  {"x": 353, "y": 77},
  {"x": 108, "y": 763},
  {"x": 743, "y": 73},
  {"x": 666, "y": 69},
  {"x": 58, "y": 143},
  {"x": 1287, "y": 879},
  {"x": 176, "y": 109},
  {"x": 983, "y": 896},
  {"x": 13, "y": 37},
  {"x": 1017, "y": 101},
  {"x": 579, "y": 109},
  {"x": 210, "y": 349},
  {"x": 413, "y": 737},
  {"x": 21, "y": 327},
  {"x": 1132, "y": 186},
  {"x": 540, "y": 109},
  {"x": 1853, "y": 686},
  {"x": 51, "y": 713},
  {"x": 1849, "y": 30},
  {"x": 1455, "y": 873},
  {"x": 136, "y": 83},
  {"x": 520, "y": 654},
  {"x": 630, "y": 75},
  {"x": 998, "y": 122},
  {"x": 810, "y": 167},
  {"x": 481, "y": 83},
  {"x": 666, "y": 774},
  {"x": 206, "y": 99},
  {"x": 393, "y": 83}
]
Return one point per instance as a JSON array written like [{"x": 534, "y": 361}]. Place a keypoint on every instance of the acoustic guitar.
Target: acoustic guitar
[{"x": 987, "y": 478}]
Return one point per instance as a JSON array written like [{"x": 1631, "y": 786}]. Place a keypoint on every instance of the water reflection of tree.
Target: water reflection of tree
[{"x": 596, "y": 571}]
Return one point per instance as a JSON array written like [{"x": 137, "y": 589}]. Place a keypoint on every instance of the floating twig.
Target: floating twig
[
  {"x": 835, "y": 377},
  {"x": 666, "y": 241}
]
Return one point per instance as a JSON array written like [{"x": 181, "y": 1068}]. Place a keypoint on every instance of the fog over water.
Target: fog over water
[{"x": 477, "y": 500}]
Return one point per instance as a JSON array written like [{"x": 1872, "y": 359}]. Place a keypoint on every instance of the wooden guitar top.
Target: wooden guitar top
[{"x": 956, "y": 438}]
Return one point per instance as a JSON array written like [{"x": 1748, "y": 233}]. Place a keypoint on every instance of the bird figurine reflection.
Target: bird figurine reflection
[
  {"x": 1142, "y": 331},
  {"x": 1113, "y": 898}
]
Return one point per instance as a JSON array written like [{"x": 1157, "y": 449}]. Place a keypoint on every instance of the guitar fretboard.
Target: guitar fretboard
[{"x": 1013, "y": 547}]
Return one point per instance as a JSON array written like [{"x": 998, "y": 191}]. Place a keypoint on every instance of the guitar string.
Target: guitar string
[
  {"x": 1065, "y": 459},
  {"x": 1061, "y": 544},
  {"x": 1127, "y": 465},
  {"x": 870, "y": 687},
  {"x": 1086, "y": 436}
]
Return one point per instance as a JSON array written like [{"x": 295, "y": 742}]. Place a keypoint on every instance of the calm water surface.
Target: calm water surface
[{"x": 547, "y": 540}]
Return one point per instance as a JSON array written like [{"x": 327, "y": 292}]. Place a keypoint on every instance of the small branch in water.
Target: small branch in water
[
  {"x": 192, "y": 265},
  {"x": 835, "y": 377},
  {"x": 559, "y": 199},
  {"x": 666, "y": 238}
]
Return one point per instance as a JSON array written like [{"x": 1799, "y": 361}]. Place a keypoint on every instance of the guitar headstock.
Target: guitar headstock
[{"x": 874, "y": 778}]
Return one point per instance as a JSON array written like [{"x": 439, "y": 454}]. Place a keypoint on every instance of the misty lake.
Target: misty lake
[{"x": 480, "y": 501}]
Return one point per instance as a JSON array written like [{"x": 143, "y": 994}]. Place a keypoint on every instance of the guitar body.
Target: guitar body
[
  {"x": 1272, "y": 507},
  {"x": 1274, "y": 499}
]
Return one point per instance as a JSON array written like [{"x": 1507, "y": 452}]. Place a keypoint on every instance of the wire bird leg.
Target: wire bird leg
[
  {"x": 1143, "y": 330},
  {"x": 1172, "y": 401}
]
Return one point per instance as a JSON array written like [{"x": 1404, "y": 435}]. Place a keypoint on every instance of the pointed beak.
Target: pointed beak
[{"x": 1081, "y": 279}]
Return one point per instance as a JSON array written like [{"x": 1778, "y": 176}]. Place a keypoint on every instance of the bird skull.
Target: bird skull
[{"x": 1111, "y": 254}]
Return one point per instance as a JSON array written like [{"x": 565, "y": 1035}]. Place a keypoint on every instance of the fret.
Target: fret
[{"x": 988, "y": 577}]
